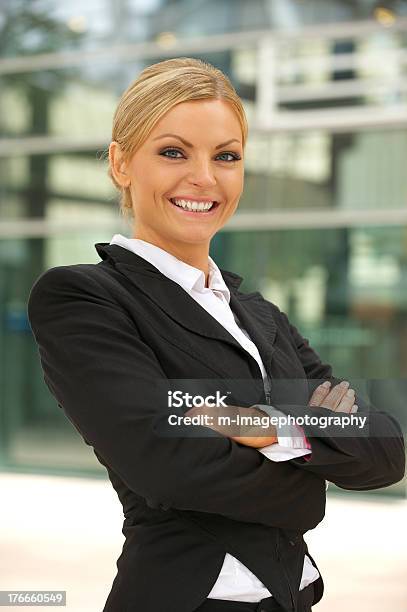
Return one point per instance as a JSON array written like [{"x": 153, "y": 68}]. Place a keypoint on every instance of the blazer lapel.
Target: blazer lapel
[
  {"x": 255, "y": 316},
  {"x": 251, "y": 309}
]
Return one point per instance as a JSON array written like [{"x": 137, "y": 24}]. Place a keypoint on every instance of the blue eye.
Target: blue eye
[
  {"x": 168, "y": 151},
  {"x": 234, "y": 156}
]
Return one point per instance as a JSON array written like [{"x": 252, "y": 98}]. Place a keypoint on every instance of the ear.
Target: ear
[{"x": 118, "y": 165}]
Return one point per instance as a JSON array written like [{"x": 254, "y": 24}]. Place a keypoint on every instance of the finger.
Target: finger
[
  {"x": 355, "y": 408},
  {"x": 333, "y": 399},
  {"x": 319, "y": 394},
  {"x": 347, "y": 401},
  {"x": 198, "y": 410}
]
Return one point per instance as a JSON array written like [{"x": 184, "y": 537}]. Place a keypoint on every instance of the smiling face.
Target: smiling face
[{"x": 201, "y": 161}]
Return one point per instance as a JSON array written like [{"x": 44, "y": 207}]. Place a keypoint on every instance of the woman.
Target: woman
[{"x": 214, "y": 520}]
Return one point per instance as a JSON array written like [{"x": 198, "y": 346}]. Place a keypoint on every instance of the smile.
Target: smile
[{"x": 194, "y": 207}]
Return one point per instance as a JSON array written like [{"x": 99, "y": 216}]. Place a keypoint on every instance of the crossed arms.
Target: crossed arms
[{"x": 105, "y": 378}]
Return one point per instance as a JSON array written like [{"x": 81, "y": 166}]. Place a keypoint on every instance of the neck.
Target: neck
[{"x": 195, "y": 255}]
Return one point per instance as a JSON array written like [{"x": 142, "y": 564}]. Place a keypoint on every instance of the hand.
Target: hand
[
  {"x": 340, "y": 398},
  {"x": 256, "y": 440}
]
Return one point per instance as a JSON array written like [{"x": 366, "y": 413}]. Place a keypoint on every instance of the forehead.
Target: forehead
[{"x": 212, "y": 119}]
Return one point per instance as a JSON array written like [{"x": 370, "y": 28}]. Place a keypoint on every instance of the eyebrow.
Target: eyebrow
[{"x": 188, "y": 144}]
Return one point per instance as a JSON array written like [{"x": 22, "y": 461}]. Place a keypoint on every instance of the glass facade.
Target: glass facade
[{"x": 322, "y": 220}]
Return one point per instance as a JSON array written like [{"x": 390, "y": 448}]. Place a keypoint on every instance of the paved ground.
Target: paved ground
[{"x": 52, "y": 538}]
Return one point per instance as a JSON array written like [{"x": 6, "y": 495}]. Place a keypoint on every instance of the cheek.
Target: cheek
[
  {"x": 163, "y": 180},
  {"x": 235, "y": 191},
  {"x": 149, "y": 185},
  {"x": 236, "y": 181}
]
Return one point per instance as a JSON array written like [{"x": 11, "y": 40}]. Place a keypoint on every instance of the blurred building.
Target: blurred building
[{"x": 323, "y": 217}]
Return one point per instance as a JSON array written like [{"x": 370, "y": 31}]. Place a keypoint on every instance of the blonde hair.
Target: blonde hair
[{"x": 156, "y": 90}]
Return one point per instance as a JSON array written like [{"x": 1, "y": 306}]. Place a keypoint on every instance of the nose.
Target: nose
[{"x": 202, "y": 174}]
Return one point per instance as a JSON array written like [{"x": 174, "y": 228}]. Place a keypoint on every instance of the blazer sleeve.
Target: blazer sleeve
[
  {"x": 353, "y": 461},
  {"x": 107, "y": 381}
]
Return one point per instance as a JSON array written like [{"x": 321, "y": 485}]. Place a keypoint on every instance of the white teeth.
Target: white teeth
[{"x": 194, "y": 206}]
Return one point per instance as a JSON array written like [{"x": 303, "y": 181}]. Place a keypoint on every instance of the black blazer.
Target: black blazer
[{"x": 110, "y": 337}]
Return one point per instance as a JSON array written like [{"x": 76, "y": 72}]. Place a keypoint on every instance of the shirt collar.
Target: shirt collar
[{"x": 187, "y": 276}]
